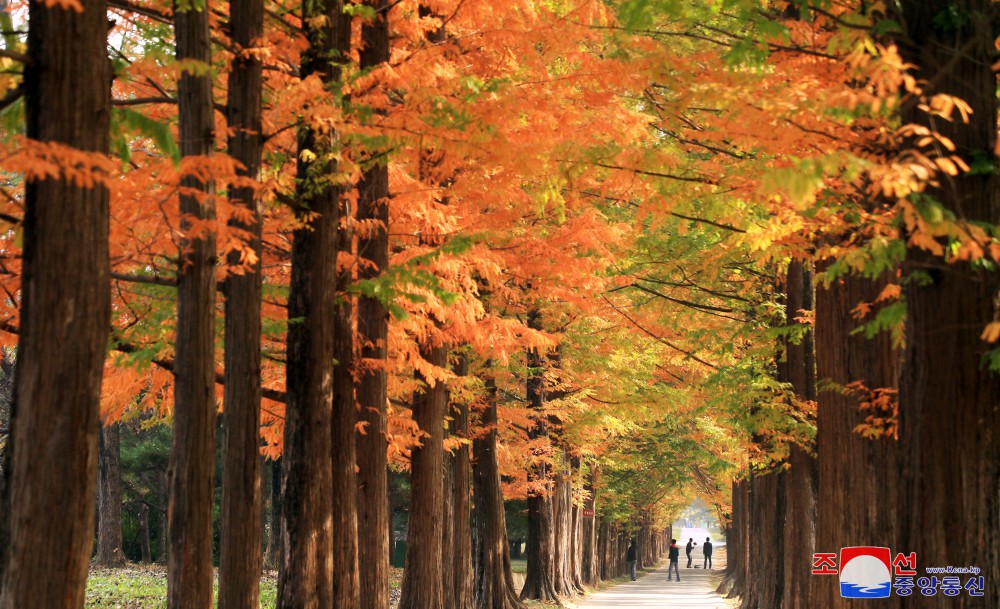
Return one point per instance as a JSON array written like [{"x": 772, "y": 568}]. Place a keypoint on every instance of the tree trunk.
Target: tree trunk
[
  {"x": 52, "y": 468},
  {"x": 856, "y": 500},
  {"x": 800, "y": 479},
  {"x": 562, "y": 502},
  {"x": 493, "y": 586},
  {"x": 590, "y": 564},
  {"x": 345, "y": 499},
  {"x": 461, "y": 478},
  {"x": 109, "y": 499},
  {"x": 447, "y": 532},
  {"x": 306, "y": 578},
  {"x": 422, "y": 577},
  {"x": 373, "y": 324},
  {"x": 765, "y": 550},
  {"x": 242, "y": 518},
  {"x": 191, "y": 479},
  {"x": 273, "y": 556},
  {"x": 539, "y": 581},
  {"x": 949, "y": 422},
  {"x": 144, "y": 545}
]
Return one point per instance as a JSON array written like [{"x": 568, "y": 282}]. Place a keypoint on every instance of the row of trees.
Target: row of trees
[{"x": 568, "y": 258}]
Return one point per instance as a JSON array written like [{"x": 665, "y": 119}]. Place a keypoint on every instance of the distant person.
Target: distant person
[
  {"x": 690, "y": 546},
  {"x": 630, "y": 557},
  {"x": 675, "y": 554},
  {"x": 707, "y": 549}
]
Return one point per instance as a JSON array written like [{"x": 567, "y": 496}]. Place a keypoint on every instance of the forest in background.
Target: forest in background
[{"x": 598, "y": 257}]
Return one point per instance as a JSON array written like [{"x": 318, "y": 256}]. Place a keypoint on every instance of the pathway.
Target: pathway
[{"x": 696, "y": 590}]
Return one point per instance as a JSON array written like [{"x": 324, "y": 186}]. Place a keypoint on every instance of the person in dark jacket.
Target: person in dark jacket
[
  {"x": 690, "y": 546},
  {"x": 707, "y": 549},
  {"x": 675, "y": 555},
  {"x": 630, "y": 557}
]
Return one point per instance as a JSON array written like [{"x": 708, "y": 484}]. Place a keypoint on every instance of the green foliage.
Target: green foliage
[{"x": 126, "y": 123}]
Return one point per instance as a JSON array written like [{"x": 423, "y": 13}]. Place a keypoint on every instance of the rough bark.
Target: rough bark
[
  {"x": 764, "y": 552},
  {"x": 190, "y": 476},
  {"x": 52, "y": 468},
  {"x": 422, "y": 577},
  {"x": 798, "y": 369},
  {"x": 539, "y": 581},
  {"x": 461, "y": 479},
  {"x": 345, "y": 499},
  {"x": 949, "y": 421},
  {"x": 307, "y": 578},
  {"x": 373, "y": 320},
  {"x": 109, "y": 499},
  {"x": 562, "y": 501},
  {"x": 493, "y": 586},
  {"x": 447, "y": 529},
  {"x": 241, "y": 526},
  {"x": 857, "y": 478}
]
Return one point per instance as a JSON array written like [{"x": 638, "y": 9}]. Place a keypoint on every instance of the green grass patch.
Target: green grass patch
[
  {"x": 145, "y": 587},
  {"x": 519, "y": 565}
]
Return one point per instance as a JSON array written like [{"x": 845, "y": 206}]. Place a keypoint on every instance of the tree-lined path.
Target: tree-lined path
[
  {"x": 336, "y": 303},
  {"x": 696, "y": 589}
]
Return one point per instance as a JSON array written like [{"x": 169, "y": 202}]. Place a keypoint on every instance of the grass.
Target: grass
[
  {"x": 519, "y": 565},
  {"x": 145, "y": 587}
]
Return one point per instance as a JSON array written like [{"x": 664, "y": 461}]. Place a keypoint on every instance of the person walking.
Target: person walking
[
  {"x": 690, "y": 546},
  {"x": 630, "y": 557},
  {"x": 707, "y": 549},
  {"x": 675, "y": 555}
]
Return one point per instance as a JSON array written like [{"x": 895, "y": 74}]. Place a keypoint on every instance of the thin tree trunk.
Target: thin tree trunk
[
  {"x": 447, "y": 530},
  {"x": 493, "y": 586},
  {"x": 242, "y": 518},
  {"x": 422, "y": 577},
  {"x": 52, "y": 468},
  {"x": 144, "y": 548},
  {"x": 949, "y": 421},
  {"x": 461, "y": 472},
  {"x": 306, "y": 578},
  {"x": 591, "y": 574},
  {"x": 109, "y": 499},
  {"x": 373, "y": 324},
  {"x": 273, "y": 556},
  {"x": 190, "y": 476}
]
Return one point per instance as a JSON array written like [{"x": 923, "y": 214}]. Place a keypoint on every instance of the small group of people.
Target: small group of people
[{"x": 675, "y": 554}]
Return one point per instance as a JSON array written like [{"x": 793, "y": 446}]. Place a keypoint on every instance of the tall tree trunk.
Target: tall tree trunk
[
  {"x": 373, "y": 324},
  {"x": 590, "y": 565},
  {"x": 856, "y": 497},
  {"x": 190, "y": 476},
  {"x": 144, "y": 549},
  {"x": 447, "y": 530},
  {"x": 306, "y": 578},
  {"x": 765, "y": 550},
  {"x": 949, "y": 422},
  {"x": 109, "y": 499},
  {"x": 345, "y": 497},
  {"x": 562, "y": 501},
  {"x": 422, "y": 577},
  {"x": 273, "y": 556},
  {"x": 493, "y": 586},
  {"x": 242, "y": 518},
  {"x": 461, "y": 524},
  {"x": 52, "y": 468},
  {"x": 800, "y": 479},
  {"x": 539, "y": 581}
]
